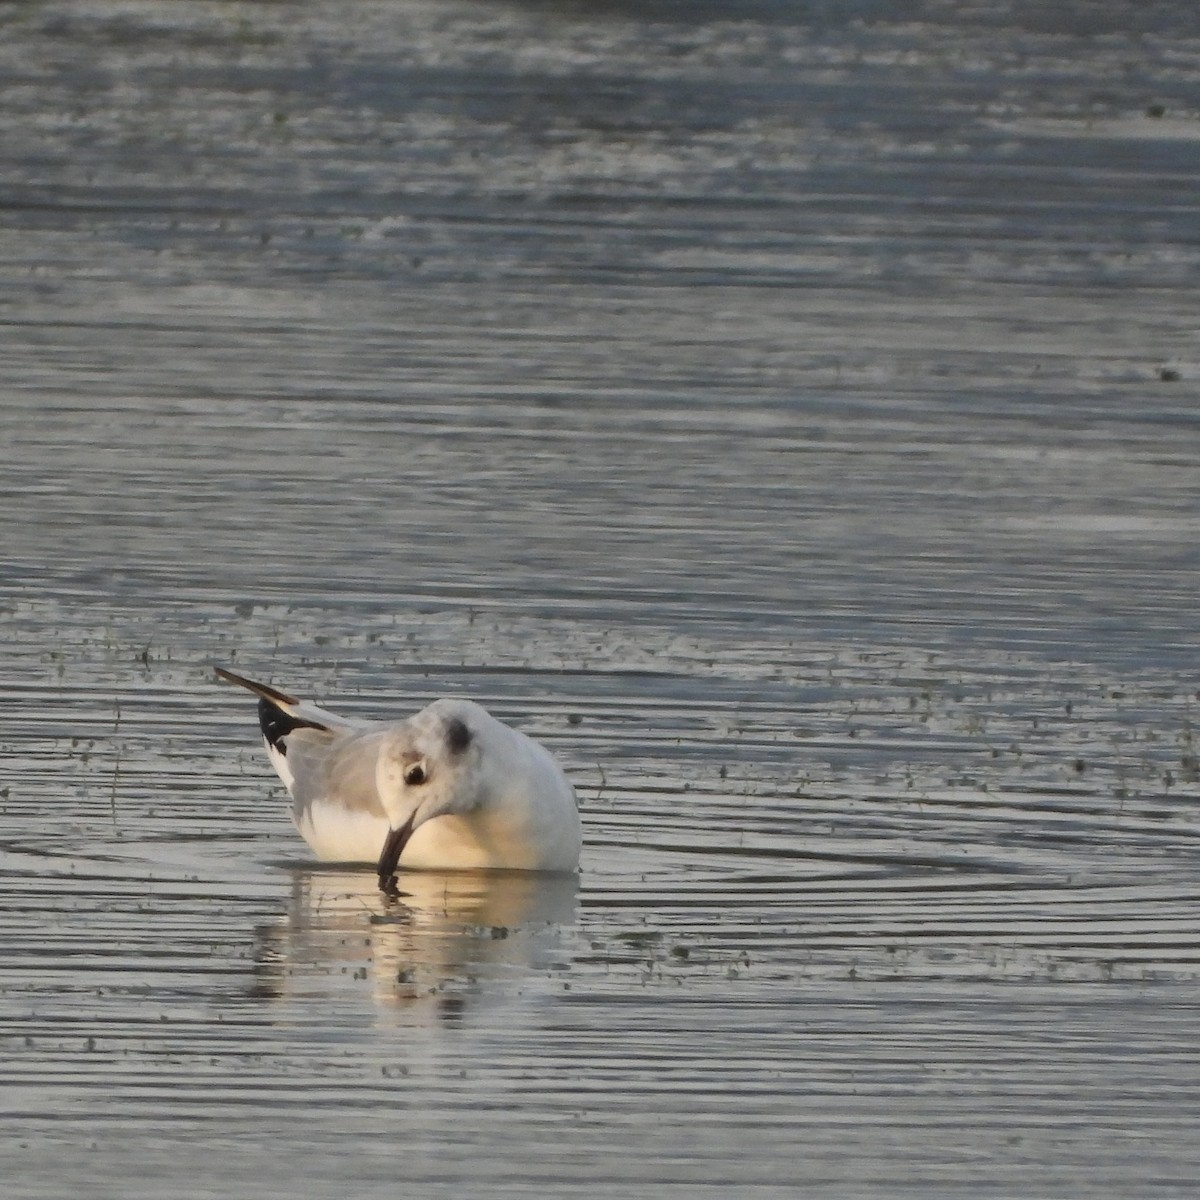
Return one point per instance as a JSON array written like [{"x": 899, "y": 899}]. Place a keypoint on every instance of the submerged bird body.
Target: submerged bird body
[{"x": 449, "y": 788}]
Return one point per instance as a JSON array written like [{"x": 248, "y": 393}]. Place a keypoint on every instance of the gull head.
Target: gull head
[{"x": 428, "y": 767}]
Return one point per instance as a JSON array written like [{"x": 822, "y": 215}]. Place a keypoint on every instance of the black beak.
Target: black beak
[{"x": 393, "y": 847}]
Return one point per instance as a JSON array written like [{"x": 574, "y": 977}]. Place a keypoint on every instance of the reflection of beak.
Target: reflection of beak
[{"x": 393, "y": 847}]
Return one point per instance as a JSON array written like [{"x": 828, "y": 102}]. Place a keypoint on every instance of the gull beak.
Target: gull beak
[{"x": 393, "y": 847}]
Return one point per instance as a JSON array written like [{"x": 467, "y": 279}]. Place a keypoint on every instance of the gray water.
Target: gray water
[{"x": 785, "y": 411}]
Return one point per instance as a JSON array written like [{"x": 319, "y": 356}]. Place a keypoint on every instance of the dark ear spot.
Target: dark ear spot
[{"x": 458, "y": 736}]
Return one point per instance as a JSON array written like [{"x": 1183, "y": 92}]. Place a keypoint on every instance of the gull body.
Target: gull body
[{"x": 449, "y": 788}]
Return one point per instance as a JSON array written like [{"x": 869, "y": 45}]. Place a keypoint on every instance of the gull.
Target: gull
[{"x": 449, "y": 788}]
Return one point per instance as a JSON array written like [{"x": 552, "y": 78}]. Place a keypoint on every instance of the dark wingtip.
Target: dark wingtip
[
  {"x": 277, "y": 724},
  {"x": 259, "y": 689}
]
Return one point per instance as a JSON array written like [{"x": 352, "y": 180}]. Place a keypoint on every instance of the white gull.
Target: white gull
[{"x": 449, "y": 788}]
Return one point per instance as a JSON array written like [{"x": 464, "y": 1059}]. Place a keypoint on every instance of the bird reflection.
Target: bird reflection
[{"x": 426, "y": 956}]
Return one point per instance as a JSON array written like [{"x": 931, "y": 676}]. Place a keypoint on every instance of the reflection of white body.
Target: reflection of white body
[
  {"x": 448, "y": 949},
  {"x": 451, "y": 786}
]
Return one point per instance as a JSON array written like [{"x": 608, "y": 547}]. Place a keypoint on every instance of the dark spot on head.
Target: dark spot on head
[
  {"x": 458, "y": 736},
  {"x": 414, "y": 774}
]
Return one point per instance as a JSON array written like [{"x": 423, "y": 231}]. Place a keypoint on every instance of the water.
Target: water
[{"x": 786, "y": 412}]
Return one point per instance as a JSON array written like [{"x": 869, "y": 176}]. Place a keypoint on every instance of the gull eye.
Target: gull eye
[{"x": 414, "y": 775}]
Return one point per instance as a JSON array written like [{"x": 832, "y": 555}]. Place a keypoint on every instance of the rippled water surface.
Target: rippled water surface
[{"x": 785, "y": 411}]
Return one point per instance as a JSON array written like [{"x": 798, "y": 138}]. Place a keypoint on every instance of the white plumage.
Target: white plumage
[{"x": 449, "y": 788}]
